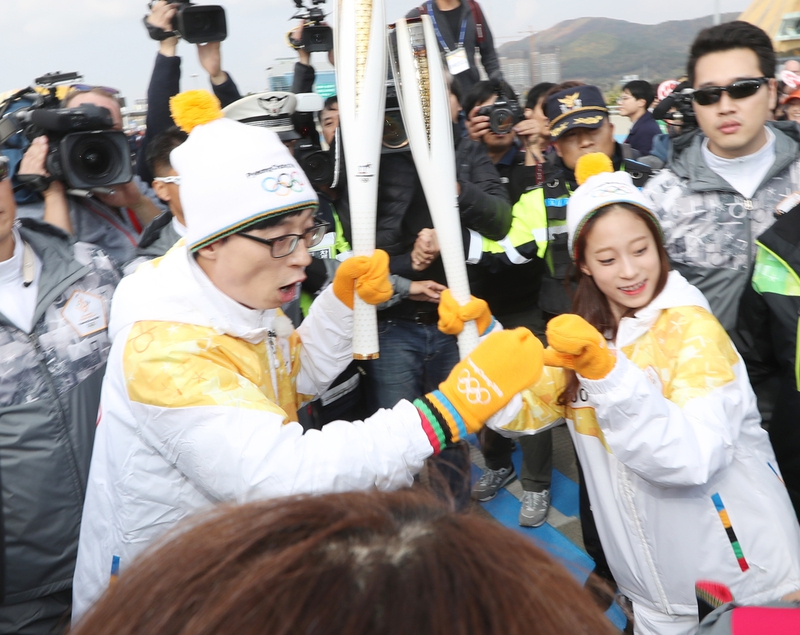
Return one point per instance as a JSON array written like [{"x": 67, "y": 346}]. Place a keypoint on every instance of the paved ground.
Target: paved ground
[{"x": 561, "y": 534}]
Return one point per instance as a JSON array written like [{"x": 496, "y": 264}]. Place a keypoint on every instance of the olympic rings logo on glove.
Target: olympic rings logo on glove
[
  {"x": 471, "y": 388},
  {"x": 283, "y": 185}
]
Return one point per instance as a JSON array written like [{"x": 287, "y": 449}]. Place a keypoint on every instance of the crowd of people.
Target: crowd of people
[{"x": 188, "y": 446}]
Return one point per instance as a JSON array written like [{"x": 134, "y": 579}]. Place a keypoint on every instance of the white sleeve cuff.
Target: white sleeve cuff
[{"x": 475, "y": 247}]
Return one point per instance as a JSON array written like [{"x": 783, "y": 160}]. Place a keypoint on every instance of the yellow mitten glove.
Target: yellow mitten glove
[
  {"x": 576, "y": 344},
  {"x": 368, "y": 275},
  {"x": 452, "y": 315},
  {"x": 480, "y": 385}
]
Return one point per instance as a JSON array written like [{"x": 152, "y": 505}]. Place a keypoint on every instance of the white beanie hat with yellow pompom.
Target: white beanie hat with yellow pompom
[
  {"x": 232, "y": 175},
  {"x": 599, "y": 186}
]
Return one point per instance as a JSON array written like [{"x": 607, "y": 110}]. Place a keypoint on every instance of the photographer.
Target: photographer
[
  {"x": 114, "y": 220},
  {"x": 165, "y": 80}
]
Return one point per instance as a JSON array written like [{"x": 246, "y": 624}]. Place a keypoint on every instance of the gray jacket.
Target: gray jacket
[
  {"x": 49, "y": 399},
  {"x": 710, "y": 229}
]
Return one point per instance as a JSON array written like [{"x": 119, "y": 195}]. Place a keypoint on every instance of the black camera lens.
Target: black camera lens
[
  {"x": 394, "y": 131},
  {"x": 318, "y": 168},
  {"x": 502, "y": 121},
  {"x": 93, "y": 159},
  {"x": 199, "y": 23}
]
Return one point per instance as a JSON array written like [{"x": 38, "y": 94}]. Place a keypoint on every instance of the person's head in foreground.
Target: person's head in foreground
[
  {"x": 356, "y": 564},
  {"x": 616, "y": 243}
]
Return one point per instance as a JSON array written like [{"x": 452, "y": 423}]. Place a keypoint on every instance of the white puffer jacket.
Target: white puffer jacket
[
  {"x": 682, "y": 478},
  {"x": 199, "y": 406}
]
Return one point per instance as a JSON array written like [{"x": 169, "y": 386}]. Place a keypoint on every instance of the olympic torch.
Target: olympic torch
[
  {"x": 424, "y": 103},
  {"x": 360, "y": 55}
]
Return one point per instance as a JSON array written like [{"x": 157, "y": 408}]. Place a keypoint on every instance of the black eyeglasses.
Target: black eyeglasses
[
  {"x": 737, "y": 90},
  {"x": 5, "y": 168},
  {"x": 282, "y": 246}
]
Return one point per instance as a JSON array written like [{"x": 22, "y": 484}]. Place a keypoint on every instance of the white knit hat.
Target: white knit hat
[
  {"x": 232, "y": 175},
  {"x": 600, "y": 188}
]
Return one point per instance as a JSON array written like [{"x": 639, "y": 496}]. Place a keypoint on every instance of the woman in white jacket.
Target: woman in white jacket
[{"x": 682, "y": 478}]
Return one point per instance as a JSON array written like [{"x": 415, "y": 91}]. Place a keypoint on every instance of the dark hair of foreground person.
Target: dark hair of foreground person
[{"x": 356, "y": 564}]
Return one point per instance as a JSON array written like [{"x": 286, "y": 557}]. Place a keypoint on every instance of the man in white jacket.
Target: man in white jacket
[{"x": 205, "y": 374}]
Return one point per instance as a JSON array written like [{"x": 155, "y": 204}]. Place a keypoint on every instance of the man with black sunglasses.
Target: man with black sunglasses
[{"x": 724, "y": 183}]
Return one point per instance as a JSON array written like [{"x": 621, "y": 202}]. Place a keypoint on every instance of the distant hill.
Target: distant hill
[{"x": 601, "y": 51}]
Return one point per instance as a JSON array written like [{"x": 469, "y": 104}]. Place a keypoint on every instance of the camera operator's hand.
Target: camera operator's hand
[
  {"x": 56, "y": 207},
  {"x": 297, "y": 36},
  {"x": 477, "y": 125},
  {"x": 530, "y": 133},
  {"x": 161, "y": 17},
  {"x": 210, "y": 57},
  {"x": 425, "y": 251},
  {"x": 128, "y": 195},
  {"x": 425, "y": 291}
]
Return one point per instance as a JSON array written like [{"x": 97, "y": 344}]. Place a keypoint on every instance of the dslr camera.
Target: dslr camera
[
  {"x": 316, "y": 36},
  {"x": 84, "y": 152},
  {"x": 505, "y": 112},
  {"x": 194, "y": 23}
]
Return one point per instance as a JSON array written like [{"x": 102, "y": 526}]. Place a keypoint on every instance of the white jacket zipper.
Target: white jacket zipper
[{"x": 627, "y": 491}]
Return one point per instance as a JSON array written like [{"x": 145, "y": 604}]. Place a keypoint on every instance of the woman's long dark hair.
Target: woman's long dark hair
[{"x": 590, "y": 303}]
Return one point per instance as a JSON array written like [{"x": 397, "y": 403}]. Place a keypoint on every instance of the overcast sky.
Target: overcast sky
[{"x": 106, "y": 41}]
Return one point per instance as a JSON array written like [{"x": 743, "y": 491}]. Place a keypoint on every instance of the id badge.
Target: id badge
[{"x": 457, "y": 61}]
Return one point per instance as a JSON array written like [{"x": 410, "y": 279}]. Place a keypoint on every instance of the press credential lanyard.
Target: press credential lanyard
[{"x": 456, "y": 60}]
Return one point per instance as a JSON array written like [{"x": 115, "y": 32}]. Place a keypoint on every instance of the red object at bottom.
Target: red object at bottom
[{"x": 756, "y": 620}]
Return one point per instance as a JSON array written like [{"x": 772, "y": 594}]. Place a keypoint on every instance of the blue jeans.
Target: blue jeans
[{"x": 415, "y": 359}]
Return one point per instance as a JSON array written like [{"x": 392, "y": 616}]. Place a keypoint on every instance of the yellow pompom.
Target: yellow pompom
[
  {"x": 194, "y": 108},
  {"x": 591, "y": 164}
]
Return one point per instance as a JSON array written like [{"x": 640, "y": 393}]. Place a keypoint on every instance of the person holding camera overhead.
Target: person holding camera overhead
[{"x": 460, "y": 28}]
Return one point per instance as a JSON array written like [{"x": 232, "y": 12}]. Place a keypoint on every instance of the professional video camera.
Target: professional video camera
[
  {"x": 84, "y": 153},
  {"x": 681, "y": 100},
  {"x": 505, "y": 112},
  {"x": 194, "y": 23},
  {"x": 316, "y": 36}
]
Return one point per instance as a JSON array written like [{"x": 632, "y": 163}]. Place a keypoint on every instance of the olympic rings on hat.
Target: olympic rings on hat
[{"x": 283, "y": 185}]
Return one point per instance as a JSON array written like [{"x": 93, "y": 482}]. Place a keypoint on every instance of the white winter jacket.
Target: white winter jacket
[
  {"x": 199, "y": 406},
  {"x": 682, "y": 478}
]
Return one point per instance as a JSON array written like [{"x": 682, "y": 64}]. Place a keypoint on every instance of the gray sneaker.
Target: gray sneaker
[
  {"x": 534, "y": 508},
  {"x": 490, "y": 483}
]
